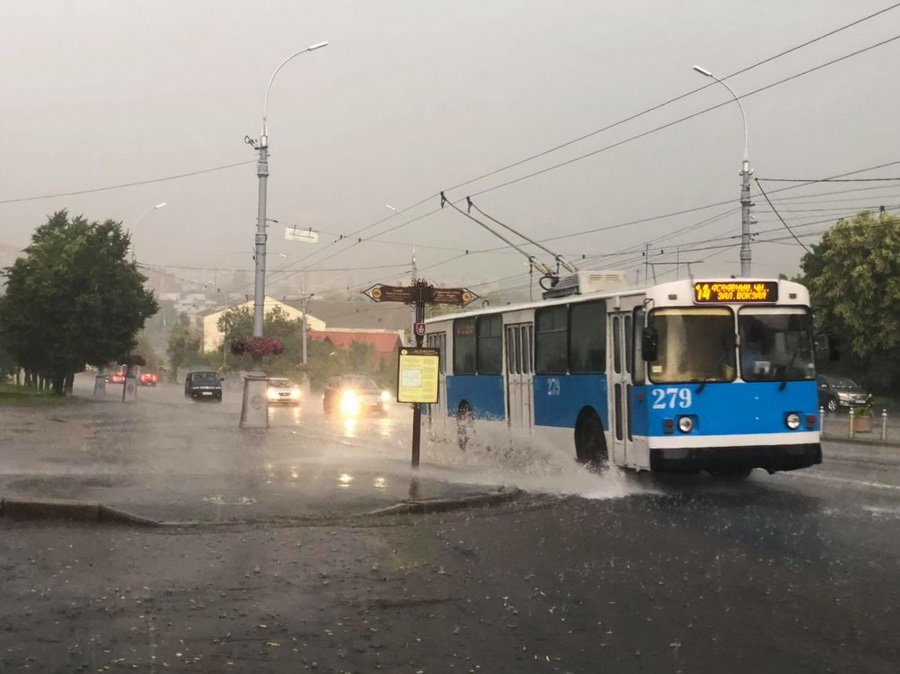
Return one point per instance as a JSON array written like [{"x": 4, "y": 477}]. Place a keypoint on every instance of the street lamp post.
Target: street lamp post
[
  {"x": 141, "y": 217},
  {"x": 746, "y": 172},
  {"x": 254, "y": 411},
  {"x": 412, "y": 278},
  {"x": 303, "y": 342}
]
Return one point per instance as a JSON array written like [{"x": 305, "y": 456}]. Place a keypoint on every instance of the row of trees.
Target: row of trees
[
  {"x": 72, "y": 299},
  {"x": 323, "y": 358},
  {"x": 853, "y": 276}
]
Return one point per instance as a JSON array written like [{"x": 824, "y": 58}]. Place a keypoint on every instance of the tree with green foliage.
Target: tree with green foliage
[
  {"x": 73, "y": 299},
  {"x": 853, "y": 276},
  {"x": 184, "y": 346},
  {"x": 237, "y": 324}
]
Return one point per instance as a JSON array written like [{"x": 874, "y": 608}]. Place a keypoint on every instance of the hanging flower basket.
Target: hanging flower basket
[{"x": 257, "y": 347}]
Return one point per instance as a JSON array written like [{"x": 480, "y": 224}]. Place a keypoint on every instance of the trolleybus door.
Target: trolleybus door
[
  {"x": 438, "y": 412},
  {"x": 620, "y": 385},
  {"x": 519, "y": 375}
]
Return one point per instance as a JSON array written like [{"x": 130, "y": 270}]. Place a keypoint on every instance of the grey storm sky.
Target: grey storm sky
[{"x": 412, "y": 97}]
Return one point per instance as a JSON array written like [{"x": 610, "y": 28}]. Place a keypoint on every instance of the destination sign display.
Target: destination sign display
[{"x": 717, "y": 292}]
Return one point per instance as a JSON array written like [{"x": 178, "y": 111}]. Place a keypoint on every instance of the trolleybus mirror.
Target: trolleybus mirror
[{"x": 649, "y": 346}]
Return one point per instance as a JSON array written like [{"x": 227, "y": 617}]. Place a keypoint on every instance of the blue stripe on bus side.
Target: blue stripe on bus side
[
  {"x": 559, "y": 399},
  {"x": 483, "y": 392},
  {"x": 725, "y": 409}
]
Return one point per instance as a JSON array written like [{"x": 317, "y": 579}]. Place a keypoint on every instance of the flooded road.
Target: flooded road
[{"x": 795, "y": 572}]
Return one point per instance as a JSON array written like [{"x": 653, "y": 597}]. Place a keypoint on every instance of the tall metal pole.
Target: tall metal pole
[
  {"x": 746, "y": 172},
  {"x": 413, "y": 277},
  {"x": 259, "y": 255},
  {"x": 254, "y": 410}
]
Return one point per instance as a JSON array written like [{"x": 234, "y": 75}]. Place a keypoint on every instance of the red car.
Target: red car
[
  {"x": 148, "y": 379},
  {"x": 116, "y": 377}
]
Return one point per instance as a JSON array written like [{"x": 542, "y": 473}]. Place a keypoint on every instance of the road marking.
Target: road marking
[{"x": 846, "y": 480}]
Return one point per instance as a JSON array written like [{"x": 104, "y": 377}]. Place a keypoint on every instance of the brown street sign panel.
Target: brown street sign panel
[
  {"x": 384, "y": 293},
  {"x": 460, "y": 296}
]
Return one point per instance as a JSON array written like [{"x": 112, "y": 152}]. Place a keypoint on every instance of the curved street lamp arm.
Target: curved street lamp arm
[
  {"x": 707, "y": 73},
  {"x": 272, "y": 79}
]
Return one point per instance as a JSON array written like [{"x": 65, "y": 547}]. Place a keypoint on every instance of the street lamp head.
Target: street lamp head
[
  {"x": 318, "y": 45},
  {"x": 160, "y": 205},
  {"x": 390, "y": 207},
  {"x": 703, "y": 71}
]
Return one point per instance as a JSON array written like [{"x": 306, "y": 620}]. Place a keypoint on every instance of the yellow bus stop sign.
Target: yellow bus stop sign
[{"x": 418, "y": 371}]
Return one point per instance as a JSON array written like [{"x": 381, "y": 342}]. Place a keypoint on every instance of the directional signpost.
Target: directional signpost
[{"x": 418, "y": 363}]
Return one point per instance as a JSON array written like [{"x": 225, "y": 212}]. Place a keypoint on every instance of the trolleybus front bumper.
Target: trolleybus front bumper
[{"x": 729, "y": 459}]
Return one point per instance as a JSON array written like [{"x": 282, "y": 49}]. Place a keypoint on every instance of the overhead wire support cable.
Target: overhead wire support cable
[
  {"x": 685, "y": 118},
  {"x": 537, "y": 264},
  {"x": 675, "y": 99},
  {"x": 556, "y": 256}
]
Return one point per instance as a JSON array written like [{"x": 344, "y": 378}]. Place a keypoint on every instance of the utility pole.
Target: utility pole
[
  {"x": 745, "y": 254},
  {"x": 746, "y": 172}
]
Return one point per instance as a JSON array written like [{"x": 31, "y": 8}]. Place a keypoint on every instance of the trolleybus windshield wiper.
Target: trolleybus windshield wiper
[{"x": 784, "y": 377}]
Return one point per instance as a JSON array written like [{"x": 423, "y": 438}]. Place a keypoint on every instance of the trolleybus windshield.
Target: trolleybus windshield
[
  {"x": 695, "y": 345},
  {"x": 776, "y": 344}
]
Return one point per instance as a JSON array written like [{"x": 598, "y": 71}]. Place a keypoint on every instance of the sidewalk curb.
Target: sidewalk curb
[
  {"x": 856, "y": 440},
  {"x": 443, "y": 505},
  {"x": 81, "y": 511}
]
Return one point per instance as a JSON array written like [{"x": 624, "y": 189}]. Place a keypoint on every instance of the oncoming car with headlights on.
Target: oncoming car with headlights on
[
  {"x": 353, "y": 394},
  {"x": 281, "y": 391}
]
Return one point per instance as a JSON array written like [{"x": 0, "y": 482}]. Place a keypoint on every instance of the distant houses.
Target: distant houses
[{"x": 338, "y": 321}]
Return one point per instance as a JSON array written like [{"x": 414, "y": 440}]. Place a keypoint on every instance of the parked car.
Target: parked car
[
  {"x": 203, "y": 385},
  {"x": 353, "y": 394},
  {"x": 837, "y": 392},
  {"x": 148, "y": 379},
  {"x": 281, "y": 391}
]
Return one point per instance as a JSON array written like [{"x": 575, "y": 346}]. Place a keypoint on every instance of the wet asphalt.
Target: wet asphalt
[{"x": 788, "y": 573}]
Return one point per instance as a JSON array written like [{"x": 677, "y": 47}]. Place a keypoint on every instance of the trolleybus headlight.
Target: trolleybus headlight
[
  {"x": 685, "y": 424},
  {"x": 793, "y": 421}
]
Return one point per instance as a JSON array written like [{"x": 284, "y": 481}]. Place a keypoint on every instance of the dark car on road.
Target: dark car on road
[
  {"x": 203, "y": 385},
  {"x": 841, "y": 392},
  {"x": 354, "y": 394}
]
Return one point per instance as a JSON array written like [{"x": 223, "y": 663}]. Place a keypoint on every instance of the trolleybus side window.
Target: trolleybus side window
[
  {"x": 550, "y": 349},
  {"x": 695, "y": 345},
  {"x": 489, "y": 348},
  {"x": 464, "y": 346},
  {"x": 587, "y": 338},
  {"x": 637, "y": 357},
  {"x": 438, "y": 340},
  {"x": 617, "y": 346},
  {"x": 629, "y": 341},
  {"x": 527, "y": 341},
  {"x": 513, "y": 351}
]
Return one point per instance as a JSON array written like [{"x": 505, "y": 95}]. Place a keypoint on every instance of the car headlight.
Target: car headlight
[
  {"x": 792, "y": 421},
  {"x": 350, "y": 402},
  {"x": 295, "y": 393},
  {"x": 271, "y": 394},
  {"x": 685, "y": 424},
  {"x": 843, "y": 396},
  {"x": 385, "y": 396}
]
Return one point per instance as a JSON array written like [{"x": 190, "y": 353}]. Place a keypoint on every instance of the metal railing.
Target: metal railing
[{"x": 870, "y": 426}]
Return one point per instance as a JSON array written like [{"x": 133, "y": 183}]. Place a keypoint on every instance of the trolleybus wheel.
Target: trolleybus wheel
[
  {"x": 465, "y": 425},
  {"x": 590, "y": 441}
]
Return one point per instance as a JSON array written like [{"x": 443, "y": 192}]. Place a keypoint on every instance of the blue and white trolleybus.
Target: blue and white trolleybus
[{"x": 713, "y": 375}]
